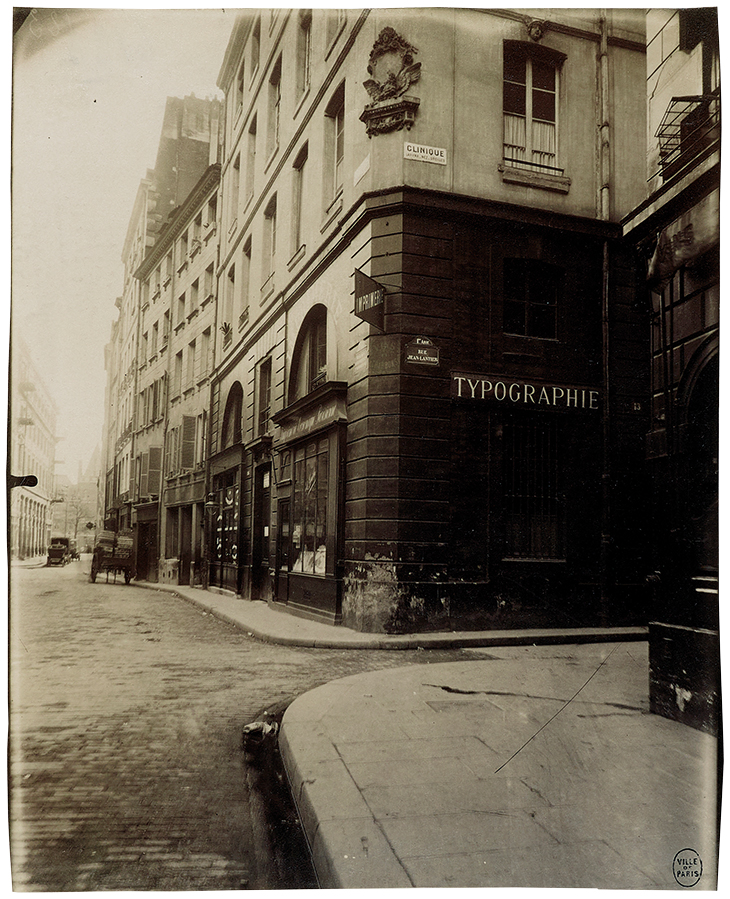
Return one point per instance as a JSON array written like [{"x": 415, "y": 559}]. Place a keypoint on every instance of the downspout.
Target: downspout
[{"x": 604, "y": 213}]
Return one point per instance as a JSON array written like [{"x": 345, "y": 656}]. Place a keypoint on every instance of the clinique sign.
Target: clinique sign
[{"x": 489, "y": 388}]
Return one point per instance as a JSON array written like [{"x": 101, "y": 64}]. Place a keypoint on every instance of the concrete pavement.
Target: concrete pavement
[{"x": 539, "y": 767}]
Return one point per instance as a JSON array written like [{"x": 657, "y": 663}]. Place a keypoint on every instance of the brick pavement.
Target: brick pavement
[{"x": 126, "y": 715}]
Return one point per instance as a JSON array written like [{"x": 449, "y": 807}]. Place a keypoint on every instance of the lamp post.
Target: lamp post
[{"x": 211, "y": 509}]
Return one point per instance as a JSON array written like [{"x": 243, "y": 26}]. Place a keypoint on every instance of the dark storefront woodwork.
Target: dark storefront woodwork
[{"x": 310, "y": 443}]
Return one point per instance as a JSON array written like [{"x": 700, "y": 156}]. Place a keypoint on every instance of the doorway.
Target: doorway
[{"x": 261, "y": 534}]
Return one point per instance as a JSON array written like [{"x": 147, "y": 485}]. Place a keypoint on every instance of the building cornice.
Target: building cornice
[{"x": 180, "y": 219}]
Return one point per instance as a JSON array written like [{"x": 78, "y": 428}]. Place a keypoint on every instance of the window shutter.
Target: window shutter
[
  {"x": 143, "y": 491},
  {"x": 168, "y": 441},
  {"x": 154, "y": 474},
  {"x": 187, "y": 452}
]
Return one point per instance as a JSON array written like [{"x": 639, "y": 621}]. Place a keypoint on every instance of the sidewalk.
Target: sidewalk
[
  {"x": 539, "y": 766},
  {"x": 502, "y": 773},
  {"x": 273, "y": 625}
]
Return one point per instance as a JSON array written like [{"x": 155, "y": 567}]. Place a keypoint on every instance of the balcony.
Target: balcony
[{"x": 691, "y": 125}]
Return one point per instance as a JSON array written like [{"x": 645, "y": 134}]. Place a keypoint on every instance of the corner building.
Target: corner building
[
  {"x": 429, "y": 402},
  {"x": 676, "y": 231}
]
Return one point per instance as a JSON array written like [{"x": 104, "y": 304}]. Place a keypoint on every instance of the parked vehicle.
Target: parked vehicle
[
  {"x": 114, "y": 554},
  {"x": 59, "y": 552}
]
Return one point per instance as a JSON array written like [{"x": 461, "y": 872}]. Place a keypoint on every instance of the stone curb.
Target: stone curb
[{"x": 437, "y": 640}]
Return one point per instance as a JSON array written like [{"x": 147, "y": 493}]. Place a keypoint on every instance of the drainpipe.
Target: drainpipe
[{"x": 604, "y": 212}]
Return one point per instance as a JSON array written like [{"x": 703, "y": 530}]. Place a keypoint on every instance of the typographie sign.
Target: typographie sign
[
  {"x": 369, "y": 300},
  {"x": 526, "y": 394},
  {"x": 435, "y": 155},
  {"x": 422, "y": 351}
]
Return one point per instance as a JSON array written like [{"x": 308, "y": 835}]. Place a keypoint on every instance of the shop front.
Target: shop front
[
  {"x": 226, "y": 539},
  {"x": 145, "y": 526},
  {"x": 526, "y": 498},
  {"x": 309, "y": 446}
]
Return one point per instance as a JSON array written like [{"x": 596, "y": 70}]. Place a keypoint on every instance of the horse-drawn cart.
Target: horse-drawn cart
[{"x": 114, "y": 554}]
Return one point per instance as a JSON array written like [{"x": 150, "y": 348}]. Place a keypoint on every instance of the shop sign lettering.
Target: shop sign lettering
[
  {"x": 436, "y": 155},
  {"x": 308, "y": 422},
  {"x": 523, "y": 393},
  {"x": 369, "y": 300}
]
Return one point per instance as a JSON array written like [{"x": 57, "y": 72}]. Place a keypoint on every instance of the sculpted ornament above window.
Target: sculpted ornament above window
[{"x": 392, "y": 72}]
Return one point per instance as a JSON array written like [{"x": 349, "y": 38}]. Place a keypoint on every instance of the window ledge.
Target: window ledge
[
  {"x": 297, "y": 257},
  {"x": 540, "y": 180},
  {"x": 267, "y": 288},
  {"x": 332, "y": 212},
  {"x": 301, "y": 100},
  {"x": 272, "y": 156}
]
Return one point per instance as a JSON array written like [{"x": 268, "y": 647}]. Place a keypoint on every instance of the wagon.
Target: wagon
[{"x": 114, "y": 554}]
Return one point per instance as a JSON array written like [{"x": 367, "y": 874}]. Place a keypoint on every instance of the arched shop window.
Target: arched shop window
[
  {"x": 309, "y": 366},
  {"x": 231, "y": 431}
]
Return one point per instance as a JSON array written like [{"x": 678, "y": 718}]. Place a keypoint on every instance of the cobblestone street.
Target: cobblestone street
[{"x": 127, "y": 706}]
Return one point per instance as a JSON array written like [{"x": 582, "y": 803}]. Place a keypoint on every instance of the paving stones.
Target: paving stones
[{"x": 126, "y": 712}]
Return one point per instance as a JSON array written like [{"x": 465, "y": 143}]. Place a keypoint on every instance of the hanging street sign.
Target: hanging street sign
[
  {"x": 422, "y": 351},
  {"x": 369, "y": 300}
]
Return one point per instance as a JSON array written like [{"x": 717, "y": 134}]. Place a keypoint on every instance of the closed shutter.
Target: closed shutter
[
  {"x": 187, "y": 452},
  {"x": 143, "y": 491},
  {"x": 168, "y": 458},
  {"x": 154, "y": 474},
  {"x": 214, "y": 412}
]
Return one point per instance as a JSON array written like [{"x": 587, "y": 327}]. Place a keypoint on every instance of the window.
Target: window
[
  {"x": 143, "y": 354},
  {"x": 309, "y": 508},
  {"x": 166, "y": 327},
  {"x": 269, "y": 254},
  {"x": 205, "y": 351},
  {"x": 264, "y": 396},
  {"x": 231, "y": 429},
  {"x": 335, "y": 21},
  {"x": 155, "y": 338},
  {"x": 194, "y": 294},
  {"x": 250, "y": 159},
  {"x": 309, "y": 367},
  {"x": 212, "y": 213},
  {"x": 534, "y": 500},
  {"x": 531, "y": 298},
  {"x": 190, "y": 369},
  {"x": 208, "y": 282},
  {"x": 177, "y": 374},
  {"x": 197, "y": 234},
  {"x": 167, "y": 272},
  {"x": 230, "y": 295},
  {"x": 183, "y": 249},
  {"x": 272, "y": 140},
  {"x": 304, "y": 51},
  {"x": 239, "y": 87},
  {"x": 334, "y": 145},
  {"x": 298, "y": 197},
  {"x": 201, "y": 444},
  {"x": 255, "y": 46},
  {"x": 245, "y": 283},
  {"x": 235, "y": 189},
  {"x": 530, "y": 107},
  {"x": 181, "y": 309}
]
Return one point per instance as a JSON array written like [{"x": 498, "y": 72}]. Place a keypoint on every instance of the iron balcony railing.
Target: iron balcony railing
[{"x": 689, "y": 126}]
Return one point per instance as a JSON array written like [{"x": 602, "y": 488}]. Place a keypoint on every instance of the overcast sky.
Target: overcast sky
[{"x": 89, "y": 91}]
